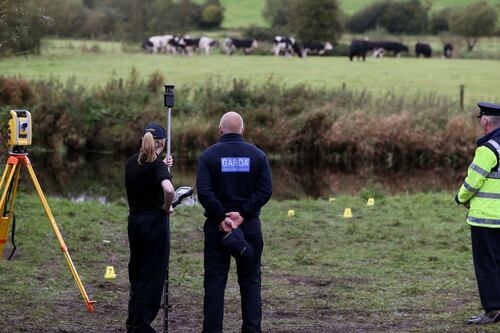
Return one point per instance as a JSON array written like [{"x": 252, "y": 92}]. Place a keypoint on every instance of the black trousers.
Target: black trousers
[
  {"x": 486, "y": 255},
  {"x": 149, "y": 238},
  {"x": 217, "y": 262}
]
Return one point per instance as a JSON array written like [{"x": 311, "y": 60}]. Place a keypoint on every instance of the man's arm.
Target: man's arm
[
  {"x": 262, "y": 193},
  {"x": 206, "y": 194},
  {"x": 484, "y": 161}
]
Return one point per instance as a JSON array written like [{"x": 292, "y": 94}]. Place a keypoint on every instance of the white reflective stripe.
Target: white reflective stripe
[
  {"x": 482, "y": 221},
  {"x": 495, "y": 144},
  {"x": 469, "y": 188},
  {"x": 479, "y": 170},
  {"x": 487, "y": 195}
]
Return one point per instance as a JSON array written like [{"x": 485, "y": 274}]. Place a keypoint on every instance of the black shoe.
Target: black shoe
[{"x": 485, "y": 318}]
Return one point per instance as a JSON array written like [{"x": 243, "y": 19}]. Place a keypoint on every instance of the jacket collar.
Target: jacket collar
[
  {"x": 493, "y": 134},
  {"x": 231, "y": 137}
]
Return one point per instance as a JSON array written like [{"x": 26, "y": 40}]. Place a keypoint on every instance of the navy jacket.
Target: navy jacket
[{"x": 233, "y": 175}]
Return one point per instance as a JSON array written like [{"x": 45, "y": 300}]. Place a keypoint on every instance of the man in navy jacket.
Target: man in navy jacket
[{"x": 233, "y": 182}]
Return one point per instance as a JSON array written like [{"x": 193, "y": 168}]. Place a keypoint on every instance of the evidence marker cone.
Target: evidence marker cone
[
  {"x": 370, "y": 202},
  {"x": 291, "y": 213},
  {"x": 110, "y": 273},
  {"x": 331, "y": 199},
  {"x": 347, "y": 213}
]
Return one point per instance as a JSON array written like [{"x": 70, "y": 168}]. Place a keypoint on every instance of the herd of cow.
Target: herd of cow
[
  {"x": 282, "y": 46},
  {"x": 360, "y": 48}
]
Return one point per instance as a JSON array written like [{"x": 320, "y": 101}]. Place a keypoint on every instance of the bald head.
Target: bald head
[{"x": 231, "y": 122}]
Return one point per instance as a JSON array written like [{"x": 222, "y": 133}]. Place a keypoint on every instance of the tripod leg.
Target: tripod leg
[
  {"x": 63, "y": 246},
  {"x": 8, "y": 175}
]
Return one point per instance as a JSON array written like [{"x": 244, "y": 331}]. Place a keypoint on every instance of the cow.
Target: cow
[
  {"x": 207, "y": 43},
  {"x": 316, "y": 48},
  {"x": 387, "y": 46},
  {"x": 156, "y": 44},
  {"x": 233, "y": 44},
  {"x": 448, "y": 50},
  {"x": 423, "y": 49},
  {"x": 176, "y": 44},
  {"x": 358, "y": 48},
  {"x": 286, "y": 46},
  {"x": 191, "y": 44}
]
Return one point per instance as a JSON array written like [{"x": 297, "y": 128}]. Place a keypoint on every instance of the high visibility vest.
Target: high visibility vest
[{"x": 481, "y": 187}]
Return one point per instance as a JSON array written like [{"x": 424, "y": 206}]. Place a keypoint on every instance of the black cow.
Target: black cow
[
  {"x": 358, "y": 48},
  {"x": 448, "y": 50},
  {"x": 233, "y": 44},
  {"x": 423, "y": 49},
  {"x": 387, "y": 46},
  {"x": 316, "y": 48}
]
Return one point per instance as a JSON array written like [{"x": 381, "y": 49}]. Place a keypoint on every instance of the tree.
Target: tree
[
  {"x": 276, "y": 13},
  {"x": 315, "y": 20},
  {"x": 408, "y": 17},
  {"x": 367, "y": 18},
  {"x": 473, "y": 22},
  {"x": 22, "y": 25},
  {"x": 212, "y": 16}
]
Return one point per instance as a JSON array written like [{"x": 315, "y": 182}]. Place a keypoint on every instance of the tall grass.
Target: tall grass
[{"x": 298, "y": 123}]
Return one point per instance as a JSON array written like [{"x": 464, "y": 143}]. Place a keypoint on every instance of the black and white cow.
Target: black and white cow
[
  {"x": 358, "y": 48},
  {"x": 448, "y": 50},
  {"x": 283, "y": 45},
  {"x": 387, "y": 46},
  {"x": 233, "y": 44},
  {"x": 423, "y": 49},
  {"x": 176, "y": 45},
  {"x": 316, "y": 48},
  {"x": 206, "y": 44},
  {"x": 156, "y": 44},
  {"x": 192, "y": 44}
]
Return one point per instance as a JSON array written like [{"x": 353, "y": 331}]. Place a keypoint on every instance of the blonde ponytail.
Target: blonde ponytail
[{"x": 147, "y": 153}]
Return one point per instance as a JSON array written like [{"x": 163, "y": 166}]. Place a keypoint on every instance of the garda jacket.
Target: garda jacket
[{"x": 481, "y": 187}]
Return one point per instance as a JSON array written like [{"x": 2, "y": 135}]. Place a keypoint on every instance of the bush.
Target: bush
[
  {"x": 315, "y": 20},
  {"x": 405, "y": 18},
  {"x": 368, "y": 18},
  {"x": 440, "y": 21},
  {"x": 296, "y": 123},
  {"x": 212, "y": 16}
]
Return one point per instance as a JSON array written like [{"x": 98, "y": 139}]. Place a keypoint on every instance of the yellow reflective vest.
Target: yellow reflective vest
[{"x": 481, "y": 188}]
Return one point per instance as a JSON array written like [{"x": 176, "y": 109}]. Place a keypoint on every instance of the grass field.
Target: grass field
[
  {"x": 63, "y": 60},
  {"x": 249, "y": 12},
  {"x": 391, "y": 268}
]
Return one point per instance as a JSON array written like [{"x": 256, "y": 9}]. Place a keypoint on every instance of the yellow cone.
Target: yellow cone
[
  {"x": 347, "y": 213},
  {"x": 371, "y": 202},
  {"x": 291, "y": 213},
  {"x": 110, "y": 273},
  {"x": 332, "y": 199}
]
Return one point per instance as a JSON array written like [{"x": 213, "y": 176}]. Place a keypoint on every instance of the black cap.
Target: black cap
[
  {"x": 234, "y": 241},
  {"x": 155, "y": 129},
  {"x": 488, "y": 109}
]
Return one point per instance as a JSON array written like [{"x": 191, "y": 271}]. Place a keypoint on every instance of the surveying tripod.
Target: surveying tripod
[{"x": 19, "y": 138}]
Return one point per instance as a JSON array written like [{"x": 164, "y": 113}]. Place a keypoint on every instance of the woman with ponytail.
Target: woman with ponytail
[{"x": 150, "y": 194}]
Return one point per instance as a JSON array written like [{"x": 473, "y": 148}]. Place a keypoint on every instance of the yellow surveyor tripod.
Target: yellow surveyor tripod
[{"x": 20, "y": 135}]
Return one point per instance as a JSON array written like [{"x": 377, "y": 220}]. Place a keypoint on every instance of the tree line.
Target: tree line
[{"x": 24, "y": 22}]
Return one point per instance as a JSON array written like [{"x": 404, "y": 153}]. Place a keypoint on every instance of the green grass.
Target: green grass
[
  {"x": 63, "y": 60},
  {"x": 403, "y": 265}
]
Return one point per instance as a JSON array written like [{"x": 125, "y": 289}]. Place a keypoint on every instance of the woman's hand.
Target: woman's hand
[{"x": 169, "y": 161}]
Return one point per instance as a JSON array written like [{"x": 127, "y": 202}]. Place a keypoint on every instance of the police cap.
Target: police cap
[
  {"x": 488, "y": 109},
  {"x": 235, "y": 242},
  {"x": 155, "y": 129}
]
